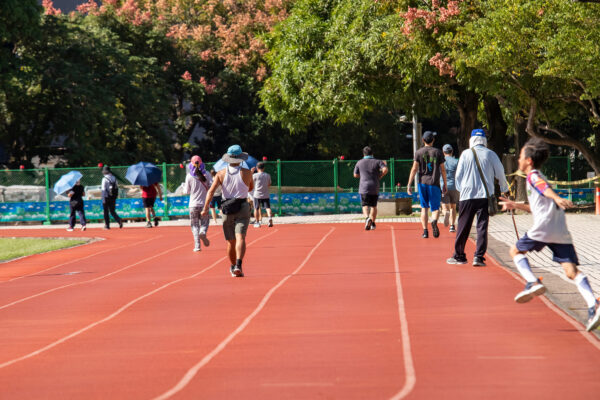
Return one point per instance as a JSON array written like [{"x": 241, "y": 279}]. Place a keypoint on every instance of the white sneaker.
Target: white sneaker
[
  {"x": 197, "y": 247},
  {"x": 532, "y": 289},
  {"x": 83, "y": 228},
  {"x": 257, "y": 224},
  {"x": 69, "y": 229}
]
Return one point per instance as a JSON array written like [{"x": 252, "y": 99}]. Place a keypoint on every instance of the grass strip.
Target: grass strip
[{"x": 11, "y": 248}]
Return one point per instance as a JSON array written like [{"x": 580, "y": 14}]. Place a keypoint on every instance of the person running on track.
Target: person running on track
[
  {"x": 429, "y": 163},
  {"x": 549, "y": 229},
  {"x": 262, "y": 183},
  {"x": 370, "y": 171},
  {"x": 236, "y": 182},
  {"x": 197, "y": 183}
]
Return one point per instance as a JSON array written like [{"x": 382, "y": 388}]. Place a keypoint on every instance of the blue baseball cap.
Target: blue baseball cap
[{"x": 477, "y": 132}]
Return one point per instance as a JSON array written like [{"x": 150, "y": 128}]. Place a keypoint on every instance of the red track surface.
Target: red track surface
[{"x": 320, "y": 314}]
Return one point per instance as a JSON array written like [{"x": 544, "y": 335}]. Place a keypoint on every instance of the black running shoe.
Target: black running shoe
[
  {"x": 478, "y": 262},
  {"x": 156, "y": 221},
  {"x": 237, "y": 271},
  {"x": 368, "y": 224},
  {"x": 452, "y": 229},
  {"x": 121, "y": 224},
  {"x": 455, "y": 261},
  {"x": 434, "y": 228},
  {"x": 425, "y": 234},
  {"x": 373, "y": 226},
  {"x": 231, "y": 270}
]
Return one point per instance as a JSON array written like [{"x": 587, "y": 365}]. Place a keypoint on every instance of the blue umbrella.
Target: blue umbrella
[
  {"x": 143, "y": 174},
  {"x": 249, "y": 163},
  {"x": 67, "y": 181}
]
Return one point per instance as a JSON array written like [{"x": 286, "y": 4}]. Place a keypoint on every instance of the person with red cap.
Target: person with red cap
[{"x": 197, "y": 183}]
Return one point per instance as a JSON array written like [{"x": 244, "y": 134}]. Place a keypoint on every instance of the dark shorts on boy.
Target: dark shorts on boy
[
  {"x": 451, "y": 197},
  {"x": 148, "y": 201},
  {"x": 263, "y": 203},
  {"x": 561, "y": 252},
  {"x": 368, "y": 200},
  {"x": 236, "y": 223},
  {"x": 216, "y": 202},
  {"x": 430, "y": 196}
]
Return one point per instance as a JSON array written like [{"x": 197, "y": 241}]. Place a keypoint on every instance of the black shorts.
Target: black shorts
[
  {"x": 148, "y": 202},
  {"x": 369, "y": 200},
  {"x": 216, "y": 202},
  {"x": 264, "y": 203}
]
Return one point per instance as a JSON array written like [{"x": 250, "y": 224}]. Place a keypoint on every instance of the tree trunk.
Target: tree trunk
[
  {"x": 496, "y": 125},
  {"x": 467, "y": 109}
]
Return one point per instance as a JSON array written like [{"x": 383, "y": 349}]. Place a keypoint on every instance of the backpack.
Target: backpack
[{"x": 113, "y": 188}]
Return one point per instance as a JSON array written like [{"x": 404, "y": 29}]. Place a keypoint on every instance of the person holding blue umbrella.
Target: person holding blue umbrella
[
  {"x": 147, "y": 175},
  {"x": 71, "y": 184}
]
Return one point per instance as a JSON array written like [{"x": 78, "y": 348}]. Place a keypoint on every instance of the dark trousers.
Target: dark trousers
[
  {"x": 467, "y": 209},
  {"x": 78, "y": 208},
  {"x": 109, "y": 204}
]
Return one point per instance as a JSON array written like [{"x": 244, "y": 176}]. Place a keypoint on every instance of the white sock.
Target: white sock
[
  {"x": 522, "y": 264},
  {"x": 585, "y": 289}
]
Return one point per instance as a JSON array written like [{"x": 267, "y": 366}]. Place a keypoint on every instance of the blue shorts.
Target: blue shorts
[
  {"x": 430, "y": 196},
  {"x": 561, "y": 252}
]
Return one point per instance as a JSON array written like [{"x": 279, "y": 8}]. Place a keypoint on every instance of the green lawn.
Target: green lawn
[{"x": 18, "y": 247}]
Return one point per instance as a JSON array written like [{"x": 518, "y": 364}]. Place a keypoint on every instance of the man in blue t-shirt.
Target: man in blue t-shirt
[
  {"x": 370, "y": 171},
  {"x": 451, "y": 198}
]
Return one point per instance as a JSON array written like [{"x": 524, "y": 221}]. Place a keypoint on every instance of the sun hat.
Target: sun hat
[
  {"x": 192, "y": 166},
  {"x": 477, "y": 138},
  {"x": 447, "y": 148},
  {"x": 428, "y": 136},
  {"x": 234, "y": 155}
]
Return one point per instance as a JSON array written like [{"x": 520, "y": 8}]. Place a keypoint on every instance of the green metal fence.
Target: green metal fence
[{"x": 334, "y": 177}]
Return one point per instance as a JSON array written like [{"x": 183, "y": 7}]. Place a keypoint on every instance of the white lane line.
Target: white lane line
[
  {"x": 590, "y": 337},
  {"x": 409, "y": 368},
  {"x": 191, "y": 373},
  {"x": 94, "y": 279},
  {"x": 119, "y": 311},
  {"x": 79, "y": 259}
]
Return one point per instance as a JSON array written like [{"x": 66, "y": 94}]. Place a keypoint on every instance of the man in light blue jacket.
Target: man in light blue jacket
[{"x": 473, "y": 198}]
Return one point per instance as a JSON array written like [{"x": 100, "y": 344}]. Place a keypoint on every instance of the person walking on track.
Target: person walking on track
[
  {"x": 262, "y": 183},
  {"x": 215, "y": 204},
  {"x": 450, "y": 198},
  {"x": 549, "y": 230},
  {"x": 110, "y": 192},
  {"x": 197, "y": 183},
  {"x": 474, "y": 163},
  {"x": 370, "y": 171},
  {"x": 149, "y": 194},
  {"x": 236, "y": 182},
  {"x": 76, "y": 205},
  {"x": 429, "y": 163}
]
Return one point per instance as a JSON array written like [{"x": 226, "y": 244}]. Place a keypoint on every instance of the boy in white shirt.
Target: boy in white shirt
[{"x": 549, "y": 229}]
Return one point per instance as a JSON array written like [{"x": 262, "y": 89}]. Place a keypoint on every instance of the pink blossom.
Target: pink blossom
[
  {"x": 442, "y": 64},
  {"x": 209, "y": 88},
  {"x": 49, "y": 8},
  {"x": 206, "y": 55},
  {"x": 187, "y": 76},
  {"x": 166, "y": 66},
  {"x": 88, "y": 8},
  {"x": 541, "y": 12}
]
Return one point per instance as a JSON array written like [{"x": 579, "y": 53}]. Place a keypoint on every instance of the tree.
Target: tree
[{"x": 542, "y": 56}]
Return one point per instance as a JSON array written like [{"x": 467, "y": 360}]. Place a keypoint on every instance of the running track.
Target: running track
[{"x": 325, "y": 311}]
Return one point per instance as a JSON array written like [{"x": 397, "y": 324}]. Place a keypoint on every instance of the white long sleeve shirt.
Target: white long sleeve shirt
[{"x": 467, "y": 179}]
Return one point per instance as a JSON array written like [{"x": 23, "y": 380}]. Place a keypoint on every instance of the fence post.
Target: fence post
[
  {"x": 46, "y": 178},
  {"x": 279, "y": 186},
  {"x": 392, "y": 179},
  {"x": 165, "y": 197},
  {"x": 569, "y": 178},
  {"x": 335, "y": 185}
]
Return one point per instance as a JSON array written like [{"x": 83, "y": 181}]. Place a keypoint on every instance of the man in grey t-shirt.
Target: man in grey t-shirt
[
  {"x": 262, "y": 182},
  {"x": 370, "y": 170}
]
